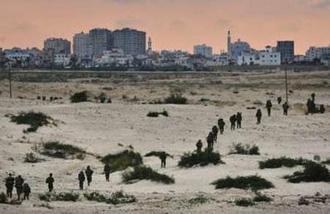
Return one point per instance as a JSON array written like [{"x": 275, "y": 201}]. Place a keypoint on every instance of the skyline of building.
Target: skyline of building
[{"x": 131, "y": 41}]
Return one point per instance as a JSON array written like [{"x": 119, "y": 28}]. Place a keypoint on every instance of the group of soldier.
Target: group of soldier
[
  {"x": 269, "y": 106},
  {"x": 24, "y": 188}
]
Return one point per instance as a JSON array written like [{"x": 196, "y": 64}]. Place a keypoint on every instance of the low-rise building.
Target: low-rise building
[
  {"x": 314, "y": 53},
  {"x": 203, "y": 50},
  {"x": 62, "y": 60},
  {"x": 269, "y": 56}
]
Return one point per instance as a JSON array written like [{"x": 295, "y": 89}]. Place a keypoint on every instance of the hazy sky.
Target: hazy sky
[{"x": 172, "y": 24}]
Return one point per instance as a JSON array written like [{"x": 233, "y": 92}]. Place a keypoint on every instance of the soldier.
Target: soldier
[
  {"x": 215, "y": 131},
  {"x": 309, "y": 106},
  {"x": 259, "y": 115},
  {"x": 81, "y": 178},
  {"x": 89, "y": 173},
  {"x": 221, "y": 124},
  {"x": 50, "y": 181},
  {"x": 10, "y": 185},
  {"x": 107, "y": 170},
  {"x": 239, "y": 120},
  {"x": 279, "y": 100},
  {"x": 19, "y": 186},
  {"x": 199, "y": 146},
  {"x": 210, "y": 141},
  {"x": 285, "y": 107},
  {"x": 163, "y": 157},
  {"x": 269, "y": 107},
  {"x": 26, "y": 191},
  {"x": 232, "y": 120}
]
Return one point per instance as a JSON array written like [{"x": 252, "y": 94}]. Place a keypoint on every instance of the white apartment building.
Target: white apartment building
[
  {"x": 203, "y": 50},
  {"x": 114, "y": 57},
  {"x": 317, "y": 52},
  {"x": 62, "y": 59},
  {"x": 81, "y": 46},
  {"x": 269, "y": 56}
]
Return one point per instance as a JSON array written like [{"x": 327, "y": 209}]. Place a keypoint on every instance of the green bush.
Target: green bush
[
  {"x": 313, "y": 172},
  {"x": 250, "y": 182},
  {"x": 95, "y": 196},
  {"x": 34, "y": 119},
  {"x": 120, "y": 197},
  {"x": 327, "y": 161},
  {"x": 146, "y": 173},
  {"x": 79, "y": 97},
  {"x": 31, "y": 158},
  {"x": 175, "y": 99},
  {"x": 63, "y": 196},
  {"x": 123, "y": 160},
  {"x": 261, "y": 198},
  {"x": 280, "y": 162},
  {"x": 156, "y": 114},
  {"x": 59, "y": 150},
  {"x": 201, "y": 159},
  {"x": 245, "y": 149},
  {"x": 244, "y": 202},
  {"x": 3, "y": 198},
  {"x": 198, "y": 200}
]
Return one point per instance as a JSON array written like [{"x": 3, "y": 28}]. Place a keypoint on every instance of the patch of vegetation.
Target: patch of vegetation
[
  {"x": 200, "y": 159},
  {"x": 123, "y": 160},
  {"x": 3, "y": 198},
  {"x": 244, "y": 202},
  {"x": 31, "y": 158},
  {"x": 146, "y": 173},
  {"x": 261, "y": 198},
  {"x": 327, "y": 161},
  {"x": 282, "y": 162},
  {"x": 253, "y": 182},
  {"x": 245, "y": 149},
  {"x": 59, "y": 150},
  {"x": 34, "y": 119},
  {"x": 79, "y": 97},
  {"x": 95, "y": 196},
  {"x": 120, "y": 197},
  {"x": 156, "y": 114},
  {"x": 176, "y": 98},
  {"x": 201, "y": 199},
  {"x": 313, "y": 172},
  {"x": 63, "y": 196}
]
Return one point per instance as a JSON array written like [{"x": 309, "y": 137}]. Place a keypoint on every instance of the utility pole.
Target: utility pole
[
  {"x": 9, "y": 76},
  {"x": 286, "y": 86}
]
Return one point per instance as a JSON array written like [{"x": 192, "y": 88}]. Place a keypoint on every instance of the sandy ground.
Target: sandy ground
[{"x": 99, "y": 128}]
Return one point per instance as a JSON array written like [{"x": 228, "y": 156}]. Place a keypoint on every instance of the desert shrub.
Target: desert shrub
[
  {"x": 60, "y": 150},
  {"x": 123, "y": 160},
  {"x": 258, "y": 103},
  {"x": 327, "y": 161},
  {"x": 79, "y": 97},
  {"x": 63, "y": 196},
  {"x": 34, "y": 119},
  {"x": 201, "y": 159},
  {"x": 175, "y": 99},
  {"x": 253, "y": 182},
  {"x": 313, "y": 172},
  {"x": 244, "y": 202},
  {"x": 31, "y": 158},
  {"x": 261, "y": 198},
  {"x": 198, "y": 200},
  {"x": 95, "y": 196},
  {"x": 245, "y": 149},
  {"x": 102, "y": 97},
  {"x": 120, "y": 197},
  {"x": 156, "y": 114},
  {"x": 146, "y": 173},
  {"x": 3, "y": 198},
  {"x": 282, "y": 162}
]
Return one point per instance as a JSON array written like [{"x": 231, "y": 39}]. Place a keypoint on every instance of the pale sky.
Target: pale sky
[{"x": 172, "y": 24}]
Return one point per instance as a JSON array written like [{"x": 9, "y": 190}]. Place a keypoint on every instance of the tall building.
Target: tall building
[
  {"x": 286, "y": 48},
  {"x": 81, "y": 46},
  {"x": 57, "y": 46},
  {"x": 317, "y": 53},
  {"x": 132, "y": 42},
  {"x": 100, "y": 40},
  {"x": 229, "y": 45},
  {"x": 203, "y": 50}
]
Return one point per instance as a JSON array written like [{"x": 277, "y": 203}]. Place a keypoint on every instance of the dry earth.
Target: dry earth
[{"x": 99, "y": 128}]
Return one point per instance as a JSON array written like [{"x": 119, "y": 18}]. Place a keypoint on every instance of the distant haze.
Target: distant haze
[{"x": 172, "y": 24}]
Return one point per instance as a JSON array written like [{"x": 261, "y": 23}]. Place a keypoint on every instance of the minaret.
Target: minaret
[
  {"x": 149, "y": 45},
  {"x": 229, "y": 45}
]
